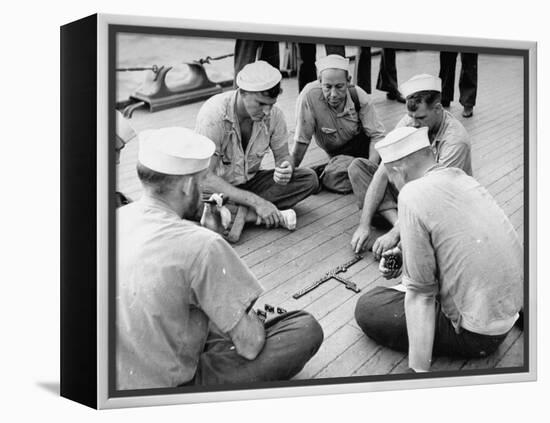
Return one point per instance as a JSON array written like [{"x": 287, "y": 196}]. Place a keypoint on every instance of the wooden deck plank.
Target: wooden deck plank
[
  {"x": 351, "y": 359},
  {"x": 514, "y": 356},
  {"x": 331, "y": 348},
  {"x": 384, "y": 361},
  {"x": 493, "y": 360}
]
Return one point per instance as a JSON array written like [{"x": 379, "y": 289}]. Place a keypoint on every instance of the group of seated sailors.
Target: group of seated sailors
[{"x": 185, "y": 299}]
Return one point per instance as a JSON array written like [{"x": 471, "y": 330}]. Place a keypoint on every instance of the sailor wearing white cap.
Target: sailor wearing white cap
[
  {"x": 176, "y": 280},
  {"x": 450, "y": 144},
  {"x": 244, "y": 125},
  {"x": 340, "y": 117},
  {"x": 461, "y": 259}
]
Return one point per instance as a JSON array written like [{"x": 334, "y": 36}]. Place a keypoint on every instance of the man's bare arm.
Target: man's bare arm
[
  {"x": 420, "y": 314},
  {"x": 248, "y": 336},
  {"x": 298, "y": 153},
  {"x": 374, "y": 196}
]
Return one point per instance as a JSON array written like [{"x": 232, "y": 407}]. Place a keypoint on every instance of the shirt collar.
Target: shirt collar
[
  {"x": 152, "y": 202},
  {"x": 439, "y": 136},
  {"x": 231, "y": 114}
]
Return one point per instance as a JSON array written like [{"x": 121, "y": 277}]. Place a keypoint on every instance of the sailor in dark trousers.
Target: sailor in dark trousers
[{"x": 341, "y": 118}]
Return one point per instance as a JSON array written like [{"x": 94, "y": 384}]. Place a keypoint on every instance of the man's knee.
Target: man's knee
[
  {"x": 311, "y": 331},
  {"x": 306, "y": 331},
  {"x": 367, "y": 312},
  {"x": 361, "y": 169},
  {"x": 307, "y": 178},
  {"x": 375, "y": 308}
]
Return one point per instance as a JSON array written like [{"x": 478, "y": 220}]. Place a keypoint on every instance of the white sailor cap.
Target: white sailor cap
[
  {"x": 258, "y": 76},
  {"x": 423, "y": 82},
  {"x": 174, "y": 151},
  {"x": 123, "y": 129},
  {"x": 332, "y": 61},
  {"x": 401, "y": 142}
]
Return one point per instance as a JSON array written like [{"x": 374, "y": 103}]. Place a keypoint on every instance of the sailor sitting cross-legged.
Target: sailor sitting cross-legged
[
  {"x": 244, "y": 125},
  {"x": 449, "y": 142},
  {"x": 462, "y": 261},
  {"x": 341, "y": 118},
  {"x": 184, "y": 298}
]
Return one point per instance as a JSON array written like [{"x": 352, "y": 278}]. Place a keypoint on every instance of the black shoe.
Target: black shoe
[
  {"x": 395, "y": 95},
  {"x": 445, "y": 103},
  {"x": 468, "y": 111}
]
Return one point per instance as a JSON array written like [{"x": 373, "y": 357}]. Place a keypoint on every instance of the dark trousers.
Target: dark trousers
[
  {"x": 303, "y": 183},
  {"x": 467, "y": 82},
  {"x": 335, "y": 174},
  {"x": 361, "y": 172},
  {"x": 380, "y": 313},
  {"x": 247, "y": 50},
  {"x": 291, "y": 340},
  {"x": 387, "y": 76},
  {"x": 306, "y": 61}
]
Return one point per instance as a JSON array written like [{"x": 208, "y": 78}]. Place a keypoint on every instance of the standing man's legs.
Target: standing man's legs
[
  {"x": 468, "y": 82},
  {"x": 247, "y": 50},
  {"x": 387, "y": 76},
  {"x": 447, "y": 67},
  {"x": 291, "y": 340},
  {"x": 334, "y": 49},
  {"x": 363, "y": 68},
  {"x": 269, "y": 52},
  {"x": 306, "y": 64}
]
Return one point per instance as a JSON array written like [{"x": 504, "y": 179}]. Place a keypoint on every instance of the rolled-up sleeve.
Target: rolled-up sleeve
[
  {"x": 372, "y": 125},
  {"x": 419, "y": 262},
  {"x": 223, "y": 286},
  {"x": 455, "y": 155},
  {"x": 305, "y": 120},
  {"x": 210, "y": 124}
]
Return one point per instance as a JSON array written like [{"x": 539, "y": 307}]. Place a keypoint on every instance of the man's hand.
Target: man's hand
[
  {"x": 391, "y": 272},
  {"x": 385, "y": 242},
  {"x": 215, "y": 216},
  {"x": 268, "y": 213},
  {"x": 283, "y": 173},
  {"x": 360, "y": 238}
]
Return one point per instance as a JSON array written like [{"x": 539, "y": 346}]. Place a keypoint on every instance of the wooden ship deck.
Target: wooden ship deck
[{"x": 285, "y": 262}]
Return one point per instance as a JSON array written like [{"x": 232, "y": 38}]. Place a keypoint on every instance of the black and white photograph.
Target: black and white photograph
[
  {"x": 230, "y": 211},
  {"x": 296, "y": 212}
]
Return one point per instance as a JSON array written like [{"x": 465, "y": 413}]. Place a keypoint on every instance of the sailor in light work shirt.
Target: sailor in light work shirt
[
  {"x": 462, "y": 261},
  {"x": 341, "y": 118},
  {"x": 184, "y": 298},
  {"x": 245, "y": 124},
  {"x": 449, "y": 142}
]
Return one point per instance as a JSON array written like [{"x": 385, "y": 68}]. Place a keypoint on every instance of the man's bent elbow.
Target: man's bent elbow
[{"x": 251, "y": 347}]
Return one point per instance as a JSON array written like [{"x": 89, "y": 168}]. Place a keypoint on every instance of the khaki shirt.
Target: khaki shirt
[
  {"x": 174, "y": 278},
  {"x": 451, "y": 145},
  {"x": 459, "y": 245},
  {"x": 217, "y": 120},
  {"x": 314, "y": 117}
]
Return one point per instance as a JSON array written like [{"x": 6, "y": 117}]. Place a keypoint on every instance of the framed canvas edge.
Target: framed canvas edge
[{"x": 103, "y": 230}]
